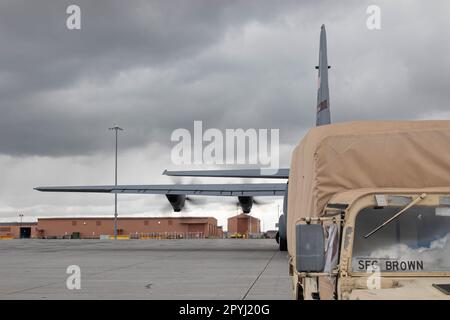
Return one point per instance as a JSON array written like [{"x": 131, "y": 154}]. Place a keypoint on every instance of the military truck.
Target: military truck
[{"x": 368, "y": 214}]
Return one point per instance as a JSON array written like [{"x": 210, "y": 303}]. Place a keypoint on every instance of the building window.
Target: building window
[
  {"x": 98, "y": 223},
  {"x": 146, "y": 223},
  {"x": 74, "y": 223}
]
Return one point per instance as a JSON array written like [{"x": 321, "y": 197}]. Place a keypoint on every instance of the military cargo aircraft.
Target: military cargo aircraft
[{"x": 245, "y": 192}]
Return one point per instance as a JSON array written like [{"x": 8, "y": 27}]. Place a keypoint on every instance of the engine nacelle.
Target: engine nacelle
[
  {"x": 176, "y": 201},
  {"x": 245, "y": 203}
]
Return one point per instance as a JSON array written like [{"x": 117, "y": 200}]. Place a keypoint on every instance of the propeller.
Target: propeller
[
  {"x": 260, "y": 203},
  {"x": 166, "y": 207},
  {"x": 196, "y": 200}
]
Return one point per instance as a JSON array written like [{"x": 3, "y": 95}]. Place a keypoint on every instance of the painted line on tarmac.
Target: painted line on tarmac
[{"x": 259, "y": 275}]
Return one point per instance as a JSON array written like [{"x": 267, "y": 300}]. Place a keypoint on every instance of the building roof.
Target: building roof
[
  {"x": 12, "y": 224},
  {"x": 123, "y": 218},
  {"x": 243, "y": 216}
]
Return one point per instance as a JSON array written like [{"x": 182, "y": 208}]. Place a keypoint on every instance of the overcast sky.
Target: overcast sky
[{"x": 155, "y": 66}]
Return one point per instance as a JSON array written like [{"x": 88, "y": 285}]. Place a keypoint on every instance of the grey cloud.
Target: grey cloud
[
  {"x": 42, "y": 57},
  {"x": 157, "y": 66},
  {"x": 154, "y": 66}
]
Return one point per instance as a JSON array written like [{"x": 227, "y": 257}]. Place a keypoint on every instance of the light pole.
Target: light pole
[
  {"x": 250, "y": 225},
  {"x": 20, "y": 225},
  {"x": 116, "y": 129}
]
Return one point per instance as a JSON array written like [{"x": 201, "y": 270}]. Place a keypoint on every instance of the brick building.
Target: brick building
[
  {"x": 18, "y": 230},
  {"x": 161, "y": 227},
  {"x": 244, "y": 224}
]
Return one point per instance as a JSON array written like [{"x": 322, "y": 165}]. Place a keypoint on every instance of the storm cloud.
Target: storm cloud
[{"x": 155, "y": 66}]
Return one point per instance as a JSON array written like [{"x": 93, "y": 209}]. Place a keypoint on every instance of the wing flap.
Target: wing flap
[{"x": 282, "y": 173}]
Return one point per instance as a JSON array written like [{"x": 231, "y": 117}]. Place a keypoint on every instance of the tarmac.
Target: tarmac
[{"x": 235, "y": 269}]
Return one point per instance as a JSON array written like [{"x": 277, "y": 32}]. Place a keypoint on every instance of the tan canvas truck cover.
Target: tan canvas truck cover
[{"x": 368, "y": 154}]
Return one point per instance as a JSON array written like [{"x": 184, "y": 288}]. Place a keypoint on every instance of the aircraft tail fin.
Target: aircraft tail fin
[{"x": 323, "y": 98}]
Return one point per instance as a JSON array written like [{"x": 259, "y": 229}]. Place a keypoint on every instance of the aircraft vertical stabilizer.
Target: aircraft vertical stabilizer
[{"x": 323, "y": 97}]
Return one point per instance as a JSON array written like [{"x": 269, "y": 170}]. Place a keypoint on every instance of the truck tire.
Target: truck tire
[
  {"x": 299, "y": 293},
  {"x": 282, "y": 233},
  {"x": 283, "y": 244}
]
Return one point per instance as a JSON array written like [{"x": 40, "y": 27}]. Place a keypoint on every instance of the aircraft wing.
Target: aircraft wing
[
  {"x": 240, "y": 173},
  {"x": 245, "y": 189}
]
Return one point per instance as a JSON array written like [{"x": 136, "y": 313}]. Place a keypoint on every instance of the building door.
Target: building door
[
  {"x": 196, "y": 231},
  {"x": 242, "y": 226},
  {"x": 25, "y": 232}
]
